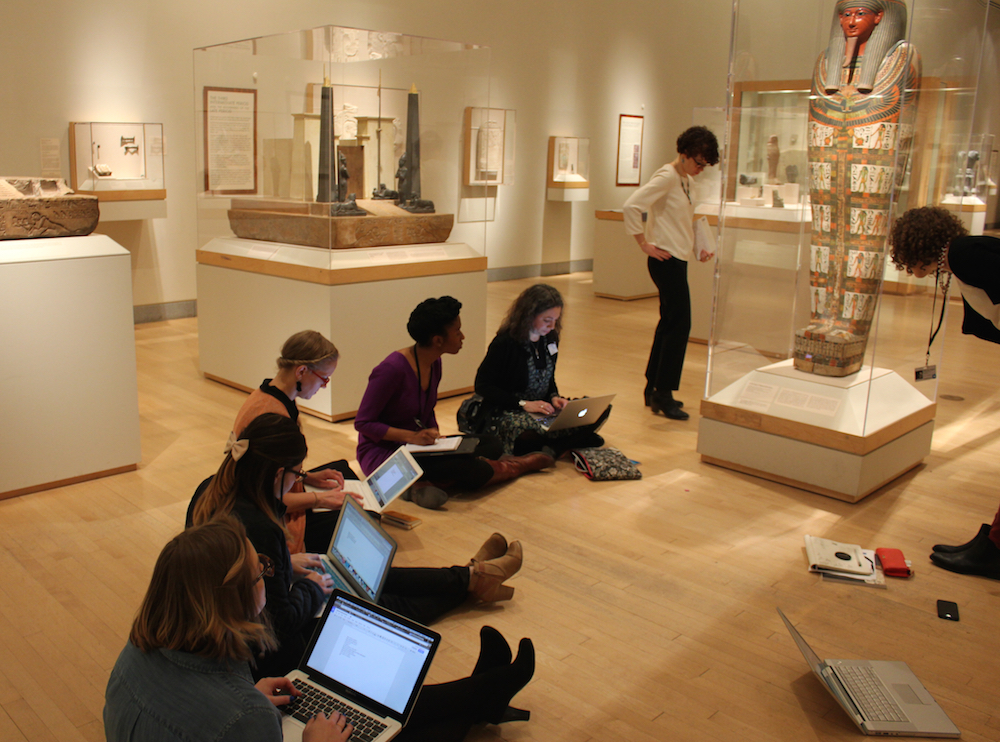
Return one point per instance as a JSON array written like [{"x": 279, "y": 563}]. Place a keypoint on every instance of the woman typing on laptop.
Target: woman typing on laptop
[
  {"x": 517, "y": 377},
  {"x": 398, "y": 408},
  {"x": 185, "y": 674},
  {"x": 257, "y": 473}
]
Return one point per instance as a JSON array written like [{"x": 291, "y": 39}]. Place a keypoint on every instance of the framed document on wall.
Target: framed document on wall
[
  {"x": 230, "y": 140},
  {"x": 629, "y": 150}
]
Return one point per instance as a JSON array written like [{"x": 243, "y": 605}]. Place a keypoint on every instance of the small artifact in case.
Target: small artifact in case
[{"x": 893, "y": 563}]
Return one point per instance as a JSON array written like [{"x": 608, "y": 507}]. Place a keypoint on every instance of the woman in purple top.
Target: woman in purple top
[{"x": 398, "y": 408}]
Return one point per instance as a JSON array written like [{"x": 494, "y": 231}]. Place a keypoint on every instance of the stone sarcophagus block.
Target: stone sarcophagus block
[{"x": 44, "y": 207}]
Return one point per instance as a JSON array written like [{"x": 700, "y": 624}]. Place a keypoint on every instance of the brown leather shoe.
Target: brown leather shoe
[
  {"x": 511, "y": 467},
  {"x": 493, "y": 547},
  {"x": 487, "y": 578}
]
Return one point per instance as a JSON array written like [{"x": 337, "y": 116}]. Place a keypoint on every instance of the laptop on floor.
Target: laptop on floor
[
  {"x": 359, "y": 555},
  {"x": 386, "y": 483},
  {"x": 576, "y": 413},
  {"x": 364, "y": 661},
  {"x": 883, "y": 698}
]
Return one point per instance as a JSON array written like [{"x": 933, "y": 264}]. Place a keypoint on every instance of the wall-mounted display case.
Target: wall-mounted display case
[
  {"x": 568, "y": 171},
  {"x": 798, "y": 272},
  {"x": 488, "y": 146},
  {"x": 117, "y": 161}
]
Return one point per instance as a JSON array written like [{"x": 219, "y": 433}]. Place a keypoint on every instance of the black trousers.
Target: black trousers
[
  {"x": 666, "y": 357},
  {"x": 466, "y": 472}
]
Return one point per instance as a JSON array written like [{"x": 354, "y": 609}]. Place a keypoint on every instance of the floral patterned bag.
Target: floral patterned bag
[{"x": 602, "y": 464}]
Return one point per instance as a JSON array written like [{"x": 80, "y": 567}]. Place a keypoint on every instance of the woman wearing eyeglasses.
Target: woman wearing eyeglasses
[
  {"x": 257, "y": 474},
  {"x": 185, "y": 674},
  {"x": 306, "y": 363},
  {"x": 667, "y": 238}
]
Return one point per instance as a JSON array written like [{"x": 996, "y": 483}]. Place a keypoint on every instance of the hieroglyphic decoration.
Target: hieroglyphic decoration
[
  {"x": 44, "y": 207},
  {"x": 859, "y": 139}
]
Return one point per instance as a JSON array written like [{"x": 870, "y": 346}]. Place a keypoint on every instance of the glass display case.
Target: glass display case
[
  {"x": 568, "y": 171},
  {"x": 808, "y": 373},
  {"x": 489, "y": 146},
  {"x": 328, "y": 141},
  {"x": 116, "y": 161}
]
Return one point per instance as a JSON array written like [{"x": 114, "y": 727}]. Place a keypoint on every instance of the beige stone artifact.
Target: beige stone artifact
[
  {"x": 310, "y": 224},
  {"x": 44, "y": 207}
]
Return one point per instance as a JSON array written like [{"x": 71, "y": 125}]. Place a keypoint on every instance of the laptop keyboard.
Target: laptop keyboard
[
  {"x": 314, "y": 700},
  {"x": 870, "y": 694}
]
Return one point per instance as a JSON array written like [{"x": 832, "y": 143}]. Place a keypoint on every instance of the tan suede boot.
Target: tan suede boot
[{"x": 487, "y": 578}]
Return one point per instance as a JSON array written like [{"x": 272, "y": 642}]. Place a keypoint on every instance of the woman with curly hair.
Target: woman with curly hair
[
  {"x": 667, "y": 238},
  {"x": 517, "y": 377},
  {"x": 932, "y": 240}
]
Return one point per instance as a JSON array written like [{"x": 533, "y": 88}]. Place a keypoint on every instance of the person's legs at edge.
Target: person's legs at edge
[{"x": 673, "y": 330}]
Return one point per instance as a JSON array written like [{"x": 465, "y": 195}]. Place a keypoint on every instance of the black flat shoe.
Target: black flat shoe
[
  {"x": 984, "y": 532},
  {"x": 981, "y": 559}
]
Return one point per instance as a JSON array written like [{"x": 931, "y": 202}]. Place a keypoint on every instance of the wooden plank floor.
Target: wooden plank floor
[{"x": 651, "y": 603}]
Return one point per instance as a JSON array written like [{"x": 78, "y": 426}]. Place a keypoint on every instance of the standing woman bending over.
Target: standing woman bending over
[
  {"x": 518, "y": 377},
  {"x": 933, "y": 240},
  {"x": 668, "y": 239},
  {"x": 398, "y": 408},
  {"x": 185, "y": 675}
]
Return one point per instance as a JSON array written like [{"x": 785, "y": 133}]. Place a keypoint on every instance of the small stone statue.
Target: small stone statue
[
  {"x": 342, "y": 177},
  {"x": 773, "y": 155}
]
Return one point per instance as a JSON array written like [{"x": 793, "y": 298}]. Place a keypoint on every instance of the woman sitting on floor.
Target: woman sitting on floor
[
  {"x": 306, "y": 363},
  {"x": 184, "y": 673},
  {"x": 398, "y": 408},
  {"x": 257, "y": 474},
  {"x": 518, "y": 377}
]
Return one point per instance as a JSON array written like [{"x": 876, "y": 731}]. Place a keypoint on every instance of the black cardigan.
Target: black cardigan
[
  {"x": 503, "y": 375},
  {"x": 975, "y": 261}
]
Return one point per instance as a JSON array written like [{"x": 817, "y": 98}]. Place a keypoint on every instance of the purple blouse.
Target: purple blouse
[{"x": 393, "y": 399}]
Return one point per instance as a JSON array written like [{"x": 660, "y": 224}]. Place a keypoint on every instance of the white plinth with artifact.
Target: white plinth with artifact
[{"x": 840, "y": 437}]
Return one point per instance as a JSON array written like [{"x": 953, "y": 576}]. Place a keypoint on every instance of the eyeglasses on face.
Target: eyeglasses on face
[
  {"x": 300, "y": 476},
  {"x": 266, "y": 567},
  {"x": 323, "y": 380}
]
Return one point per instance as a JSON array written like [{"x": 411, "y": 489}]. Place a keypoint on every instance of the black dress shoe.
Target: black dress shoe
[
  {"x": 984, "y": 532},
  {"x": 982, "y": 559},
  {"x": 669, "y": 406}
]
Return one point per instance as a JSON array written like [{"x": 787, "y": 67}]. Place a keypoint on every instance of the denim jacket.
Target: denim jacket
[{"x": 167, "y": 695}]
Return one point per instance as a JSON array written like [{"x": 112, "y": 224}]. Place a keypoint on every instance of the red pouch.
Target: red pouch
[{"x": 893, "y": 563}]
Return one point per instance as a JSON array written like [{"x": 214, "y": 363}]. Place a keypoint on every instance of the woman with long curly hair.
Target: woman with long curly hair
[{"x": 518, "y": 377}]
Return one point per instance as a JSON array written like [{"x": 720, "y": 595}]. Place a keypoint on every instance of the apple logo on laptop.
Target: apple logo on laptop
[{"x": 582, "y": 412}]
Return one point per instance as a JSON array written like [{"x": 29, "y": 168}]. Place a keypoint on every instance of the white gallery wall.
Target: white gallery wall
[{"x": 568, "y": 67}]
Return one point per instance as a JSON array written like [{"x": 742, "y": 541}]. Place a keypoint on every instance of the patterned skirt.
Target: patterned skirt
[{"x": 509, "y": 425}]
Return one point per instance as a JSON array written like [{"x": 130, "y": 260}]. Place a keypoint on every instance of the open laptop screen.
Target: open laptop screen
[
  {"x": 372, "y": 652},
  {"x": 395, "y": 475},
  {"x": 361, "y": 548}
]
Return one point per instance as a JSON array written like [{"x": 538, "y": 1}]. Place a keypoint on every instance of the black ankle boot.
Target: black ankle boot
[
  {"x": 982, "y": 559},
  {"x": 984, "y": 532},
  {"x": 508, "y": 682},
  {"x": 494, "y": 651}
]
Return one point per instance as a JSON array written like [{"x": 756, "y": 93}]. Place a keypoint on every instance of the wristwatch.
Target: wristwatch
[{"x": 522, "y": 403}]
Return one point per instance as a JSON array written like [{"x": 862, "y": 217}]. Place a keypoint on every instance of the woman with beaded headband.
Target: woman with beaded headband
[
  {"x": 863, "y": 99},
  {"x": 306, "y": 363},
  {"x": 933, "y": 240}
]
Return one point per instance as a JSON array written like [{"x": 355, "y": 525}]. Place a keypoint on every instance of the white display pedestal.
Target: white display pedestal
[
  {"x": 839, "y": 437},
  {"x": 253, "y": 295},
  {"x": 70, "y": 410},
  {"x": 620, "y": 272}
]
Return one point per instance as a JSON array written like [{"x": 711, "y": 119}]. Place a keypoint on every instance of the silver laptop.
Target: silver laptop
[
  {"x": 365, "y": 662},
  {"x": 360, "y": 554},
  {"x": 883, "y": 698},
  {"x": 388, "y": 482},
  {"x": 577, "y": 412}
]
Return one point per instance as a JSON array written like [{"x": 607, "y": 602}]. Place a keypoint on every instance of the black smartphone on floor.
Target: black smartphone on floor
[{"x": 947, "y": 610}]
